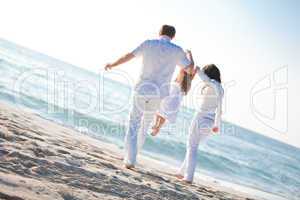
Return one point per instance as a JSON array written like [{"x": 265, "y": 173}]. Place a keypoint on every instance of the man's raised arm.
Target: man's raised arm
[
  {"x": 186, "y": 61},
  {"x": 190, "y": 69},
  {"x": 127, "y": 57}
]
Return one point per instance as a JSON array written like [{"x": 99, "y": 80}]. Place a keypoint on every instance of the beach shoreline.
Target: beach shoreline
[{"x": 40, "y": 159}]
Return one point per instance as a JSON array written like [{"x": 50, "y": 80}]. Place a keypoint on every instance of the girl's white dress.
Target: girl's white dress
[{"x": 170, "y": 105}]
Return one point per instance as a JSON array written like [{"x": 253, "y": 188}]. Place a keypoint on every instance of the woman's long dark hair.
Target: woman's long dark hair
[
  {"x": 212, "y": 72},
  {"x": 186, "y": 83}
]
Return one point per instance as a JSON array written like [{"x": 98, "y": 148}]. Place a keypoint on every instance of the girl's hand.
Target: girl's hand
[{"x": 215, "y": 129}]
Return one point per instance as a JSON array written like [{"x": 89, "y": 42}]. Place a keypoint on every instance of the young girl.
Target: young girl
[
  {"x": 170, "y": 105},
  {"x": 206, "y": 120}
]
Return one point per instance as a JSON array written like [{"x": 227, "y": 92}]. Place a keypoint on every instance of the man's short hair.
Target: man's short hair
[{"x": 168, "y": 31}]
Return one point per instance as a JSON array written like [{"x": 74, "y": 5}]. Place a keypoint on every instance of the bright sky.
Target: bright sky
[{"x": 248, "y": 39}]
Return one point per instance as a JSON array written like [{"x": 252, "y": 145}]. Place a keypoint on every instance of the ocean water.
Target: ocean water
[{"x": 99, "y": 107}]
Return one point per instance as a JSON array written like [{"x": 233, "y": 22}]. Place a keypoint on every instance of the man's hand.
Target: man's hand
[
  {"x": 215, "y": 129},
  {"x": 127, "y": 57},
  {"x": 189, "y": 53},
  {"x": 108, "y": 66}
]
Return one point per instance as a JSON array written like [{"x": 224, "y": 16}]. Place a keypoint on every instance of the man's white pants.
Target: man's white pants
[
  {"x": 199, "y": 131},
  {"x": 142, "y": 114}
]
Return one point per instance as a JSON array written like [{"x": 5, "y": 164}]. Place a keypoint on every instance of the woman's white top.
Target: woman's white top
[{"x": 211, "y": 98}]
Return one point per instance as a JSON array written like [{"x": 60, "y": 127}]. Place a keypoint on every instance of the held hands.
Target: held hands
[
  {"x": 189, "y": 54},
  {"x": 196, "y": 69}
]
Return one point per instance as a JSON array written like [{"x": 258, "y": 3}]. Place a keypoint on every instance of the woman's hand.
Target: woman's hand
[{"x": 195, "y": 71}]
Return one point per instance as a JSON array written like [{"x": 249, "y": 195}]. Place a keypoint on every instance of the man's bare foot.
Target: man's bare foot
[
  {"x": 129, "y": 166},
  {"x": 155, "y": 130},
  {"x": 187, "y": 182},
  {"x": 179, "y": 176}
]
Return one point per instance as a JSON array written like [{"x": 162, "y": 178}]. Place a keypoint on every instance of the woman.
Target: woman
[{"x": 207, "y": 119}]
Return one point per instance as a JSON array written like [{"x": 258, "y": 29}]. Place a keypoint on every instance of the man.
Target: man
[{"x": 160, "y": 57}]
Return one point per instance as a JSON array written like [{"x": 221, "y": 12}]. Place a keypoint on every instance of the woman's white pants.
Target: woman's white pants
[{"x": 199, "y": 131}]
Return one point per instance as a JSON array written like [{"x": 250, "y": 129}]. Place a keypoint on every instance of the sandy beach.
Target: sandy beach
[{"x": 40, "y": 159}]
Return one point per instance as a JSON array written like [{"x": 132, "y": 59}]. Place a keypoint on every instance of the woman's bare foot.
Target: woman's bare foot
[
  {"x": 155, "y": 130},
  {"x": 179, "y": 176}
]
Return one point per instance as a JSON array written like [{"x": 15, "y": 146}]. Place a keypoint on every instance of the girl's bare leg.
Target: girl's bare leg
[{"x": 158, "y": 124}]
